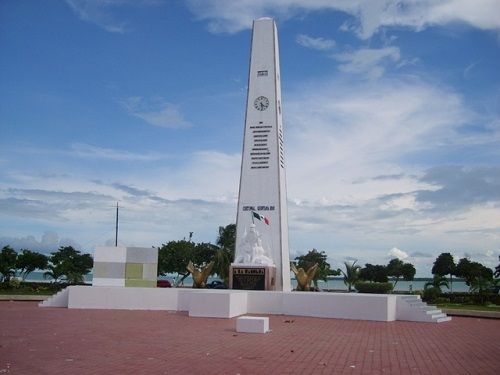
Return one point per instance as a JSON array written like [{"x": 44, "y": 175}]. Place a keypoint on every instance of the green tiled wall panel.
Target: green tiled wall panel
[
  {"x": 140, "y": 283},
  {"x": 133, "y": 270},
  {"x": 150, "y": 271},
  {"x": 112, "y": 270}
]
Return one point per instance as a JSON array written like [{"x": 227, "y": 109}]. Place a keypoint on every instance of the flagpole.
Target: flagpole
[{"x": 116, "y": 226}]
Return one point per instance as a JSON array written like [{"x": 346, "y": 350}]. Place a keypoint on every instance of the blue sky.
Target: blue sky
[{"x": 391, "y": 117}]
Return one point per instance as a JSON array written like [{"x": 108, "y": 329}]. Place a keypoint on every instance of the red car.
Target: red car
[{"x": 163, "y": 284}]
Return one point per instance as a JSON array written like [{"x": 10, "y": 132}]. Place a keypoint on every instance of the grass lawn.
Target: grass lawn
[
  {"x": 26, "y": 292},
  {"x": 469, "y": 307}
]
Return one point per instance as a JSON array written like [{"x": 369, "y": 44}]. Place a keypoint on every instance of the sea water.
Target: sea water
[
  {"x": 401, "y": 285},
  {"x": 335, "y": 284}
]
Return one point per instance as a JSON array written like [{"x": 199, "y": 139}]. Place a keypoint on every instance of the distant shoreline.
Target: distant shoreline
[
  {"x": 394, "y": 279},
  {"x": 332, "y": 283}
]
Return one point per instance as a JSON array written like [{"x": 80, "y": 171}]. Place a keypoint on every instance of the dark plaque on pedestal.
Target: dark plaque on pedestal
[
  {"x": 252, "y": 277},
  {"x": 249, "y": 278}
]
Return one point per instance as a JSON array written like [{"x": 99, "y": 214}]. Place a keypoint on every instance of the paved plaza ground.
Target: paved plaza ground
[{"x": 37, "y": 340}]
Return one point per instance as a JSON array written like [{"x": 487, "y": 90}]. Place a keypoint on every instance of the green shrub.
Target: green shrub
[
  {"x": 15, "y": 283},
  {"x": 431, "y": 294},
  {"x": 442, "y": 300},
  {"x": 467, "y": 298},
  {"x": 378, "y": 288}
]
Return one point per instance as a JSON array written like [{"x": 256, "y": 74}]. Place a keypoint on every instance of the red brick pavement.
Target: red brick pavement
[{"x": 37, "y": 340}]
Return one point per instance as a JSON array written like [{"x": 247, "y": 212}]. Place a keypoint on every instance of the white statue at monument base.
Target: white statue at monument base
[{"x": 251, "y": 251}]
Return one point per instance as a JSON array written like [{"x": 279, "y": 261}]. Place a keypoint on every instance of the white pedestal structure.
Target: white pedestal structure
[
  {"x": 212, "y": 303},
  {"x": 262, "y": 197},
  {"x": 125, "y": 266}
]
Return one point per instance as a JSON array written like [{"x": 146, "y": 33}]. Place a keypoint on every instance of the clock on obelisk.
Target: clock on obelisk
[{"x": 262, "y": 255}]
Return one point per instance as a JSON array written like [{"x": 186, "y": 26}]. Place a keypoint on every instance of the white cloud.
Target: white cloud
[
  {"x": 103, "y": 12},
  {"x": 470, "y": 67},
  {"x": 353, "y": 184},
  {"x": 206, "y": 174},
  {"x": 48, "y": 243},
  {"x": 157, "y": 112},
  {"x": 84, "y": 209},
  {"x": 320, "y": 44},
  {"x": 482, "y": 14},
  {"x": 367, "y": 60},
  {"x": 368, "y": 16},
  {"x": 83, "y": 150},
  {"x": 349, "y": 130},
  {"x": 397, "y": 253},
  {"x": 97, "y": 12}
]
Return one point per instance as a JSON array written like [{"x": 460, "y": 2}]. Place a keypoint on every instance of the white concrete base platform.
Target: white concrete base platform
[
  {"x": 217, "y": 303},
  {"x": 252, "y": 324}
]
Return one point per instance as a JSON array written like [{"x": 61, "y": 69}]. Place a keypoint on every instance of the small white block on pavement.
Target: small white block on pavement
[{"x": 252, "y": 324}]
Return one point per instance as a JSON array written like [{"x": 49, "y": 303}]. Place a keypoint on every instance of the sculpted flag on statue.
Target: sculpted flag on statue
[{"x": 260, "y": 217}]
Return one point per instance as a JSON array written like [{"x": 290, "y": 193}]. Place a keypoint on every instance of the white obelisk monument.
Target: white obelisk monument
[{"x": 261, "y": 224}]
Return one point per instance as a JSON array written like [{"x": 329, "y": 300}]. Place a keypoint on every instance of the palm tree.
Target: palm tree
[
  {"x": 437, "y": 282},
  {"x": 225, "y": 254},
  {"x": 351, "y": 274},
  {"x": 222, "y": 262}
]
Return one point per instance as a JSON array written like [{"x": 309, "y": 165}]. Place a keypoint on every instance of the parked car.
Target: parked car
[
  {"x": 216, "y": 284},
  {"x": 163, "y": 284}
]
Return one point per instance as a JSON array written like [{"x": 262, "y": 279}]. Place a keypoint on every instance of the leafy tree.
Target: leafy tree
[
  {"x": 351, "y": 274},
  {"x": 175, "y": 256},
  {"x": 8, "y": 257},
  {"x": 310, "y": 259},
  {"x": 28, "y": 261},
  {"x": 482, "y": 286},
  {"x": 445, "y": 265},
  {"x": 497, "y": 268},
  {"x": 224, "y": 255},
  {"x": 374, "y": 273},
  {"x": 55, "y": 272},
  {"x": 69, "y": 264},
  {"x": 397, "y": 268},
  {"x": 409, "y": 272},
  {"x": 203, "y": 253},
  {"x": 472, "y": 271}
]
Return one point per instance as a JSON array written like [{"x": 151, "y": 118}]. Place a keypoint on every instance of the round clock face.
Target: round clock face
[{"x": 261, "y": 103}]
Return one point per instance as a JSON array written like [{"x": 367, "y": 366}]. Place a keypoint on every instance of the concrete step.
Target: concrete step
[
  {"x": 59, "y": 299},
  {"x": 444, "y": 319},
  {"x": 438, "y": 315},
  {"x": 417, "y": 303},
  {"x": 410, "y": 298},
  {"x": 420, "y": 311},
  {"x": 47, "y": 301},
  {"x": 433, "y": 312},
  {"x": 424, "y": 307}
]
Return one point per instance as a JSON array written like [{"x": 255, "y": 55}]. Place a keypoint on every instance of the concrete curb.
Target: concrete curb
[
  {"x": 20, "y": 297},
  {"x": 472, "y": 313}
]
